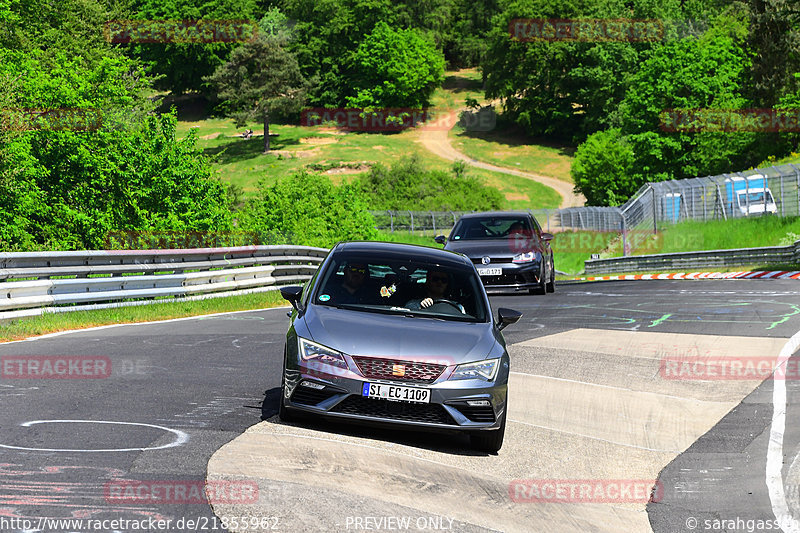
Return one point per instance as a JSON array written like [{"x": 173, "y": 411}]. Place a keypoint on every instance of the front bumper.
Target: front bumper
[
  {"x": 515, "y": 276},
  {"x": 340, "y": 398}
]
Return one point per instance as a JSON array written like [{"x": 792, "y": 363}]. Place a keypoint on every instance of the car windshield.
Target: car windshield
[
  {"x": 372, "y": 283},
  {"x": 469, "y": 229},
  {"x": 753, "y": 198}
]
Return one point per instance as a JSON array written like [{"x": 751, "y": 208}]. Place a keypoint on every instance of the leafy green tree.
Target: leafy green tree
[
  {"x": 394, "y": 68},
  {"x": 327, "y": 32},
  {"x": 66, "y": 184},
  {"x": 181, "y": 66},
  {"x": 308, "y": 209},
  {"x": 260, "y": 78},
  {"x": 603, "y": 169},
  {"x": 774, "y": 41}
]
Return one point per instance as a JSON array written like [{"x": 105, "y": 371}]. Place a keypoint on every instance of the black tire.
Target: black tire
[
  {"x": 551, "y": 285},
  {"x": 489, "y": 441},
  {"x": 284, "y": 413},
  {"x": 541, "y": 288}
]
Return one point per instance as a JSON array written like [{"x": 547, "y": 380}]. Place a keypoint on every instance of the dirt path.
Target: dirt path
[{"x": 437, "y": 141}]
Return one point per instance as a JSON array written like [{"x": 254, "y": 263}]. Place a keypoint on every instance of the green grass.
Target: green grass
[
  {"x": 794, "y": 158},
  {"x": 693, "y": 236},
  {"x": 573, "y": 248},
  {"x": 405, "y": 237},
  {"x": 294, "y": 147},
  {"x": 515, "y": 150},
  {"x": 52, "y": 322}
]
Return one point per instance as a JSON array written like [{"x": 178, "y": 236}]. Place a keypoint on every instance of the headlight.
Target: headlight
[
  {"x": 311, "y": 352},
  {"x": 485, "y": 370},
  {"x": 526, "y": 257}
]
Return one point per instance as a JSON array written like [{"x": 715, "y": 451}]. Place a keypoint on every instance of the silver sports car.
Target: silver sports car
[{"x": 398, "y": 334}]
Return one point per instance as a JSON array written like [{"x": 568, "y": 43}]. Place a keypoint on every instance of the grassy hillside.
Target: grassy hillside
[{"x": 341, "y": 155}]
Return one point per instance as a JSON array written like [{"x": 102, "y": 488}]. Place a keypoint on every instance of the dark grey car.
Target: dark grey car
[
  {"x": 398, "y": 334},
  {"x": 508, "y": 248}
]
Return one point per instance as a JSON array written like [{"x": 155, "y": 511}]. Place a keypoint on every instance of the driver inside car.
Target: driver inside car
[{"x": 436, "y": 285}]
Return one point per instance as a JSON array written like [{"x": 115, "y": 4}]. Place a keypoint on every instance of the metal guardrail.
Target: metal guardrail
[
  {"x": 31, "y": 281},
  {"x": 693, "y": 260}
]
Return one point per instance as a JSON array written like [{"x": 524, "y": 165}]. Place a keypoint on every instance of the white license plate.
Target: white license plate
[
  {"x": 394, "y": 393},
  {"x": 490, "y": 271}
]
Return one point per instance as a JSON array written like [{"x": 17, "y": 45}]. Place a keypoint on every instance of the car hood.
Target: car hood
[
  {"x": 397, "y": 336},
  {"x": 492, "y": 248}
]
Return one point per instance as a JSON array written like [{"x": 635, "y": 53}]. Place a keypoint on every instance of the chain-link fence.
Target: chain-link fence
[{"x": 774, "y": 190}]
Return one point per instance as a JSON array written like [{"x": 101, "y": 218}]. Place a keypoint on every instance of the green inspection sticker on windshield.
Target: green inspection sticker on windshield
[{"x": 324, "y": 297}]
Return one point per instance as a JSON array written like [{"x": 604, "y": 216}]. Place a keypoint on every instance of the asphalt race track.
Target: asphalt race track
[{"x": 169, "y": 405}]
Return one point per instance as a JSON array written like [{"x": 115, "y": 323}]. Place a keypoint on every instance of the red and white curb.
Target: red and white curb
[{"x": 765, "y": 274}]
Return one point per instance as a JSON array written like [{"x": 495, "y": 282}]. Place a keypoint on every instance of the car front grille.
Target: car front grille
[
  {"x": 309, "y": 396},
  {"x": 413, "y": 372},
  {"x": 478, "y": 260},
  {"x": 430, "y": 413}
]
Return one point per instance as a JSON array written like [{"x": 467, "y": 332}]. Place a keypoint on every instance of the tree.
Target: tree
[
  {"x": 260, "y": 78},
  {"x": 603, "y": 169},
  {"x": 394, "y": 68},
  {"x": 308, "y": 209},
  {"x": 181, "y": 66}
]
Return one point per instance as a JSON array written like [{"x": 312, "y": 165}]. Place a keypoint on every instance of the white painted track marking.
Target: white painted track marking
[{"x": 774, "y": 472}]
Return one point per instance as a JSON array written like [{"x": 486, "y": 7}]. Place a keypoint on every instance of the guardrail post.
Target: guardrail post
[
  {"x": 780, "y": 176},
  {"x": 433, "y": 221},
  {"x": 624, "y": 236},
  {"x": 412, "y": 221},
  {"x": 391, "y": 220},
  {"x": 797, "y": 177},
  {"x": 655, "y": 217}
]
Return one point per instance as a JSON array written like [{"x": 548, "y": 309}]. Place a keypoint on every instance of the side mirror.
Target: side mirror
[
  {"x": 292, "y": 294},
  {"x": 441, "y": 239},
  {"x": 547, "y": 236},
  {"x": 506, "y": 317}
]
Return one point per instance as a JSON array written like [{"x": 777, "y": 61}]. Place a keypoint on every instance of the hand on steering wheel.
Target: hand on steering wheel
[{"x": 427, "y": 302}]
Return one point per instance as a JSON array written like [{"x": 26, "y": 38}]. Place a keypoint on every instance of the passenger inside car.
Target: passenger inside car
[
  {"x": 437, "y": 288},
  {"x": 354, "y": 288}
]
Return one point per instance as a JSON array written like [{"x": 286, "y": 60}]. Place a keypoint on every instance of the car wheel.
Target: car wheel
[
  {"x": 541, "y": 288},
  {"x": 551, "y": 285},
  {"x": 284, "y": 413},
  {"x": 489, "y": 441}
]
